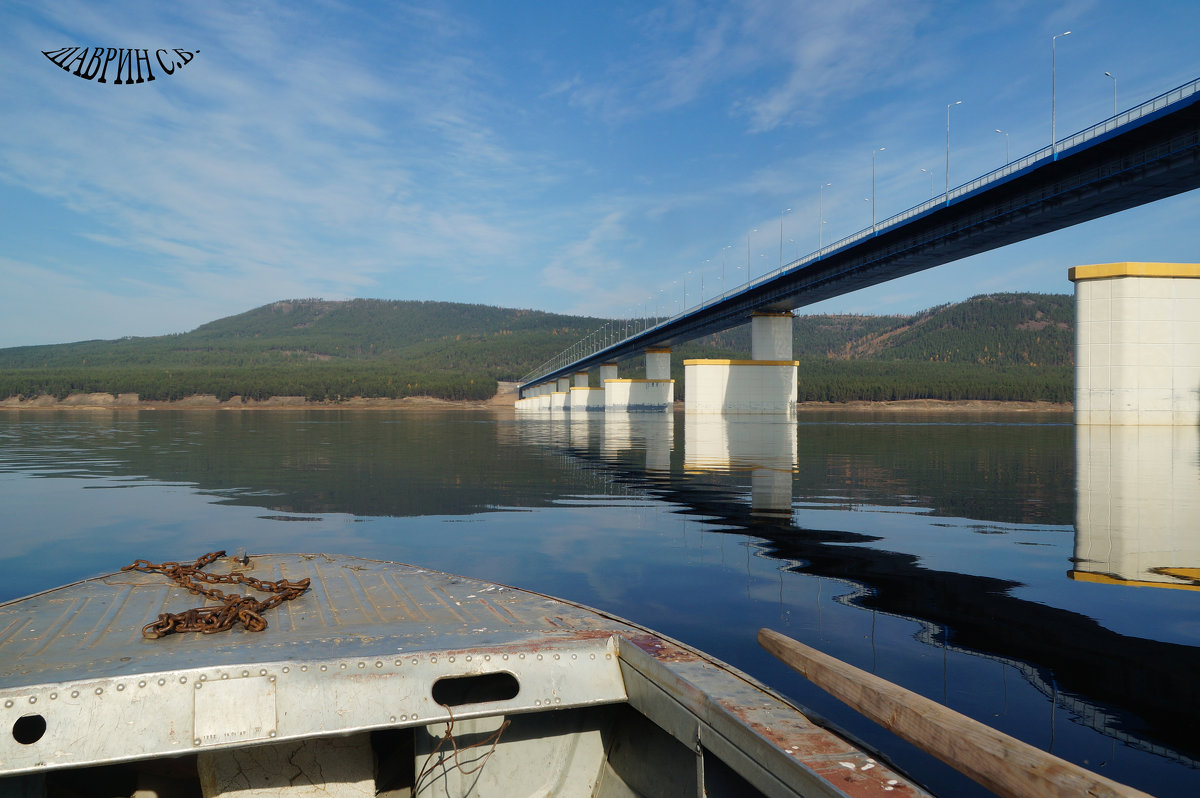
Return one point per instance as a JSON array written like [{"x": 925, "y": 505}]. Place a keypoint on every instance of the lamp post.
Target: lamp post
[
  {"x": 1007, "y": 160},
  {"x": 755, "y": 230},
  {"x": 781, "y": 213},
  {"x": 926, "y": 171},
  {"x": 821, "y": 215},
  {"x": 1114, "y": 80},
  {"x": 724, "y": 250},
  {"x": 948, "y": 107},
  {"x": 1053, "y": 138},
  {"x": 881, "y": 149}
]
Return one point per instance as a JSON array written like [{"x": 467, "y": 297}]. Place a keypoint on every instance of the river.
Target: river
[{"x": 1039, "y": 577}]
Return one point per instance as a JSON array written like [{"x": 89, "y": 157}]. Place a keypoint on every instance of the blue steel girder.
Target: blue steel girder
[{"x": 1152, "y": 159}]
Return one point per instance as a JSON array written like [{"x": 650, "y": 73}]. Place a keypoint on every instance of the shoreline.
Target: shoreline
[
  {"x": 939, "y": 406},
  {"x": 106, "y": 401},
  {"x": 506, "y": 399}
]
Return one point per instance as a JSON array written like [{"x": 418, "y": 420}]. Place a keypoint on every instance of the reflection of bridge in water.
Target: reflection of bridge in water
[{"x": 1137, "y": 691}]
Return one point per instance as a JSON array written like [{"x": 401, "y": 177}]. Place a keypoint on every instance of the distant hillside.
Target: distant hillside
[
  {"x": 997, "y": 329},
  {"x": 364, "y": 347},
  {"x": 437, "y": 336}
]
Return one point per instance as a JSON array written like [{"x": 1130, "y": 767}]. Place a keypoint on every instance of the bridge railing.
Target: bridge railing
[{"x": 1154, "y": 105}]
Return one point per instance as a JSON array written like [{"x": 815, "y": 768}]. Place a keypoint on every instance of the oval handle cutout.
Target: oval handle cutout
[
  {"x": 455, "y": 691},
  {"x": 29, "y": 729}
]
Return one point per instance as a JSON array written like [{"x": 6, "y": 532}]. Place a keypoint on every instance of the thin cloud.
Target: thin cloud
[
  {"x": 291, "y": 173},
  {"x": 804, "y": 53}
]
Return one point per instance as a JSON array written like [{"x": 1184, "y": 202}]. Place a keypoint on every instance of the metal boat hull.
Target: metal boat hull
[{"x": 380, "y": 679}]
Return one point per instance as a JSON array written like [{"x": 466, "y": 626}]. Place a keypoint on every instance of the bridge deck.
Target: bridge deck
[{"x": 1148, "y": 153}]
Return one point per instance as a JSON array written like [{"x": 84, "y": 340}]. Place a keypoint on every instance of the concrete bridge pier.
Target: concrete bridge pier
[
  {"x": 764, "y": 384},
  {"x": 558, "y": 396},
  {"x": 1137, "y": 343},
  {"x": 536, "y": 399},
  {"x": 654, "y": 394},
  {"x": 583, "y": 398}
]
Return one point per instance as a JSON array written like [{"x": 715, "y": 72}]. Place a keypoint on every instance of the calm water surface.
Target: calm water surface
[{"x": 1038, "y": 577}]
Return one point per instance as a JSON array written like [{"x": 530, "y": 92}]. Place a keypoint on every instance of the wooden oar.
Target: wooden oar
[{"x": 1003, "y": 764}]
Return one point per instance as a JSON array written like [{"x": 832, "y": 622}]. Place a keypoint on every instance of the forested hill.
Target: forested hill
[
  {"x": 435, "y": 336},
  {"x": 329, "y": 350},
  {"x": 998, "y": 329}
]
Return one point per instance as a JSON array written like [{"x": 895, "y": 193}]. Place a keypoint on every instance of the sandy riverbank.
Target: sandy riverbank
[
  {"x": 504, "y": 399},
  {"x": 939, "y": 406}
]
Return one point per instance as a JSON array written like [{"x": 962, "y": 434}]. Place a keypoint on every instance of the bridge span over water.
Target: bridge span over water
[{"x": 1148, "y": 153}]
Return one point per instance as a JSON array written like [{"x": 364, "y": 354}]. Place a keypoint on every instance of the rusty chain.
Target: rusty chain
[{"x": 231, "y": 609}]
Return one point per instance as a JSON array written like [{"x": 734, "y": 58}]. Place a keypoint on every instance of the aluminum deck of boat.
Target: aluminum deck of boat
[{"x": 366, "y": 648}]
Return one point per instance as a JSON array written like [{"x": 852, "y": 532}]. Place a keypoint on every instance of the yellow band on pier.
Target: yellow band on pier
[
  {"x": 1102, "y": 270},
  {"x": 706, "y": 362}
]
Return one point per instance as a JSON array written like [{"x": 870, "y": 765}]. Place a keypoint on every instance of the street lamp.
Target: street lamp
[
  {"x": 1114, "y": 80},
  {"x": 1053, "y": 138},
  {"x": 926, "y": 171},
  {"x": 1007, "y": 160},
  {"x": 755, "y": 230},
  {"x": 948, "y": 107},
  {"x": 881, "y": 149},
  {"x": 821, "y": 215},
  {"x": 781, "y": 213},
  {"x": 724, "y": 250}
]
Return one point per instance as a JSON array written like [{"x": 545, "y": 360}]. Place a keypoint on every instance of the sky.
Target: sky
[{"x": 585, "y": 158}]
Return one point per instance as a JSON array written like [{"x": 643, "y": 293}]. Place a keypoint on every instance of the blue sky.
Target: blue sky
[{"x": 569, "y": 157}]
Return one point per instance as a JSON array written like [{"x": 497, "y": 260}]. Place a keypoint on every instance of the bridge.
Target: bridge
[{"x": 1147, "y": 153}]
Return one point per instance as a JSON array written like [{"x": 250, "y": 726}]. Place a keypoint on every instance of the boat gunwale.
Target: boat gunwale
[{"x": 680, "y": 670}]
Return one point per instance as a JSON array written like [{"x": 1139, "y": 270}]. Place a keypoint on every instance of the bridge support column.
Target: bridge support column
[
  {"x": 584, "y": 399},
  {"x": 1137, "y": 343},
  {"x": 655, "y": 394},
  {"x": 658, "y": 363},
  {"x": 559, "y": 391},
  {"x": 764, "y": 384},
  {"x": 534, "y": 400}
]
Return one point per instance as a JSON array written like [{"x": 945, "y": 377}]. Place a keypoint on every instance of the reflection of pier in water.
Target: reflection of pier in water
[
  {"x": 652, "y": 432},
  {"x": 763, "y": 446},
  {"x": 1138, "y": 513},
  {"x": 1140, "y": 692}
]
